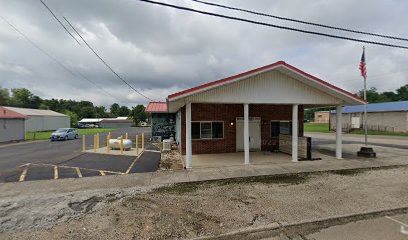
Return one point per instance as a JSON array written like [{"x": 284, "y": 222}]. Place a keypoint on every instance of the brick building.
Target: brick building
[{"x": 259, "y": 110}]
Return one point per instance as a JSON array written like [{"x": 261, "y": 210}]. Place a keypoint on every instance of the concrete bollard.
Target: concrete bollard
[
  {"x": 121, "y": 145},
  {"x": 137, "y": 145},
  {"x": 83, "y": 143},
  {"x": 142, "y": 141},
  {"x": 94, "y": 143}
]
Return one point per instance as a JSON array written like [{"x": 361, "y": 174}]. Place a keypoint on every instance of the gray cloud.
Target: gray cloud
[{"x": 162, "y": 51}]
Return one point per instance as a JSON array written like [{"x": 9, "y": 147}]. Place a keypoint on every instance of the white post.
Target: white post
[
  {"x": 246, "y": 133},
  {"x": 339, "y": 126},
  {"x": 189, "y": 157},
  {"x": 295, "y": 130}
]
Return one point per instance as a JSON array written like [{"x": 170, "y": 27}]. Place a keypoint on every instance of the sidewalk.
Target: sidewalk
[{"x": 182, "y": 176}]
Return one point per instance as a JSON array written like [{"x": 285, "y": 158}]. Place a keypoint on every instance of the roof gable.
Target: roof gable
[
  {"x": 283, "y": 67},
  {"x": 6, "y": 113}
]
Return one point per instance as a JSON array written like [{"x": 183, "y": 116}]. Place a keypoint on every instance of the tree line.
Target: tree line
[{"x": 24, "y": 98}]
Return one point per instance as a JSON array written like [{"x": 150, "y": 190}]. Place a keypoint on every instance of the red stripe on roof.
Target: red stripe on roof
[
  {"x": 5, "y": 113},
  {"x": 279, "y": 63},
  {"x": 156, "y": 107}
]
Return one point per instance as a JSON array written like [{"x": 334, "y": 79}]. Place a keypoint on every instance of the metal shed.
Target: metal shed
[
  {"x": 42, "y": 120},
  {"x": 382, "y": 117},
  {"x": 11, "y": 125}
]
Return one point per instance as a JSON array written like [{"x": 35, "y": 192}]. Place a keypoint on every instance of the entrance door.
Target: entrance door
[{"x": 254, "y": 134}]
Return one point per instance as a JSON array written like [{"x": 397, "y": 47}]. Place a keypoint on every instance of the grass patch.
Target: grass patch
[
  {"x": 382, "y": 133},
  {"x": 45, "y": 135},
  {"x": 350, "y": 172},
  {"x": 285, "y": 179},
  {"x": 317, "y": 127}
]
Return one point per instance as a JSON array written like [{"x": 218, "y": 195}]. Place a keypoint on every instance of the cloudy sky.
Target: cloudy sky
[{"x": 161, "y": 51}]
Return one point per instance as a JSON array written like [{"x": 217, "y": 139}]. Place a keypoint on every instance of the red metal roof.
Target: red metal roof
[
  {"x": 280, "y": 63},
  {"x": 6, "y": 113},
  {"x": 156, "y": 107}
]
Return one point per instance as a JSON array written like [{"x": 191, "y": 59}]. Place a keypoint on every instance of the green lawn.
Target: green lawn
[
  {"x": 47, "y": 134},
  {"x": 317, "y": 127},
  {"x": 381, "y": 133},
  {"x": 324, "y": 128}
]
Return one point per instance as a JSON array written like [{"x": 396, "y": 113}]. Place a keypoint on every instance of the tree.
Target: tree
[
  {"x": 402, "y": 93},
  {"x": 123, "y": 111},
  {"x": 138, "y": 114},
  {"x": 114, "y": 110},
  {"x": 74, "y": 117},
  {"x": 87, "y": 112},
  {"x": 4, "y": 97},
  {"x": 22, "y": 97},
  {"x": 101, "y": 112}
]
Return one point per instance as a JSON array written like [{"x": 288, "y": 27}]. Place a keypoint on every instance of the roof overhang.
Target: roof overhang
[{"x": 293, "y": 72}]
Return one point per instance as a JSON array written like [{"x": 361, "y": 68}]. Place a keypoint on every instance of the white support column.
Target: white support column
[
  {"x": 189, "y": 155},
  {"x": 339, "y": 128},
  {"x": 246, "y": 133},
  {"x": 295, "y": 131}
]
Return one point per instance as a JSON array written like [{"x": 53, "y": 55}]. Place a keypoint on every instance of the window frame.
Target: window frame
[{"x": 211, "y": 138}]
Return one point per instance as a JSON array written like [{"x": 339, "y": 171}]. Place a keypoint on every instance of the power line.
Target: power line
[
  {"x": 56, "y": 18},
  {"x": 273, "y": 25},
  {"x": 53, "y": 58},
  {"x": 301, "y": 21},
  {"x": 106, "y": 64}
]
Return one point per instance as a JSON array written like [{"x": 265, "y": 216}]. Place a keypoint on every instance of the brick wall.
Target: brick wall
[{"x": 228, "y": 113}]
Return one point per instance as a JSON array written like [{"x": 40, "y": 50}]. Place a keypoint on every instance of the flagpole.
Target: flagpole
[
  {"x": 365, "y": 151},
  {"x": 365, "y": 112},
  {"x": 365, "y": 106}
]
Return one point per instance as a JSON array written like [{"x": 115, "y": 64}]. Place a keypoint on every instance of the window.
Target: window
[{"x": 207, "y": 130}]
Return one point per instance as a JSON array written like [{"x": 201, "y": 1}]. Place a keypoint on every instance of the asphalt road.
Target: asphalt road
[{"x": 43, "y": 154}]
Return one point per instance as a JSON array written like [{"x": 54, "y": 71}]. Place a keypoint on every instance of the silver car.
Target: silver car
[{"x": 64, "y": 134}]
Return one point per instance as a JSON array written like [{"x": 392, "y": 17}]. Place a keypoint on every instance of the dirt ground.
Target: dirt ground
[{"x": 197, "y": 209}]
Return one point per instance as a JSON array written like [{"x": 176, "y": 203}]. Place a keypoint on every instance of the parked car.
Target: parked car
[
  {"x": 64, "y": 134},
  {"x": 80, "y": 125}
]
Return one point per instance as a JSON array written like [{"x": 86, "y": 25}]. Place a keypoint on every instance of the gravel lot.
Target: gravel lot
[{"x": 191, "y": 210}]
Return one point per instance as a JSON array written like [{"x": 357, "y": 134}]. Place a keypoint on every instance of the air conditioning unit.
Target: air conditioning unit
[{"x": 166, "y": 145}]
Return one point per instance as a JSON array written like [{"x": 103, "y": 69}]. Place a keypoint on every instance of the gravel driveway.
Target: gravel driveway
[{"x": 191, "y": 210}]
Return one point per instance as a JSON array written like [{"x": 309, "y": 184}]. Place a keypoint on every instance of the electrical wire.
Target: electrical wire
[
  {"x": 300, "y": 21},
  {"x": 273, "y": 25},
  {"x": 53, "y": 58},
  {"x": 56, "y": 18},
  {"x": 106, "y": 64}
]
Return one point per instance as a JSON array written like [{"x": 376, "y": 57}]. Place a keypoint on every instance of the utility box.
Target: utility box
[{"x": 166, "y": 145}]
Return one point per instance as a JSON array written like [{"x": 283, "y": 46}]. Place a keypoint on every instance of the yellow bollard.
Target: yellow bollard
[
  {"x": 137, "y": 145},
  {"x": 142, "y": 141},
  {"x": 107, "y": 144},
  {"x": 127, "y": 135},
  {"x": 121, "y": 145},
  {"x": 83, "y": 143},
  {"x": 94, "y": 143},
  {"x": 97, "y": 140}
]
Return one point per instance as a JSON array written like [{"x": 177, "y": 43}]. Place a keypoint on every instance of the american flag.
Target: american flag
[{"x": 363, "y": 65}]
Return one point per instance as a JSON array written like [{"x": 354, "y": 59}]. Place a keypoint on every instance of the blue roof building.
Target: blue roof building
[
  {"x": 378, "y": 107},
  {"x": 382, "y": 117}
]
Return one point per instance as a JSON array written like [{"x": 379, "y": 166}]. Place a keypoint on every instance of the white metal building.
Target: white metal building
[
  {"x": 381, "y": 117},
  {"x": 42, "y": 120},
  {"x": 11, "y": 125}
]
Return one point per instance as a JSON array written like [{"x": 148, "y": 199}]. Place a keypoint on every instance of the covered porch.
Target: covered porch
[{"x": 240, "y": 104}]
